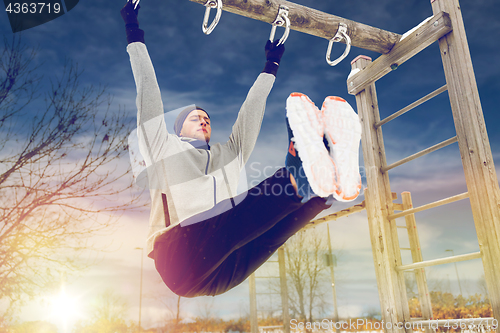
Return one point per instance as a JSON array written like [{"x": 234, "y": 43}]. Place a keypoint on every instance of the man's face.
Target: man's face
[{"x": 197, "y": 126}]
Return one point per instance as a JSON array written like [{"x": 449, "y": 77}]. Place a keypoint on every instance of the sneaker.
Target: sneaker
[
  {"x": 294, "y": 166},
  {"x": 306, "y": 122},
  {"x": 343, "y": 133}
]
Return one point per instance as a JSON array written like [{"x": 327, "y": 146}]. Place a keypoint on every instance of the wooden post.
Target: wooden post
[
  {"x": 284, "y": 290},
  {"x": 477, "y": 160},
  {"x": 254, "y": 324},
  {"x": 416, "y": 254},
  {"x": 378, "y": 197},
  {"x": 312, "y": 22}
]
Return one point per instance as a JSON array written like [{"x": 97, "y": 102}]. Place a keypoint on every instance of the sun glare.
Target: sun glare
[{"x": 65, "y": 309}]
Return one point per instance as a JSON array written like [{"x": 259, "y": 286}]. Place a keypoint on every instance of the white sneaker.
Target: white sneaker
[
  {"x": 306, "y": 122},
  {"x": 343, "y": 132}
]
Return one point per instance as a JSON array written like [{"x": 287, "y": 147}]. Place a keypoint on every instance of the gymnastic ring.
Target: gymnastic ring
[
  {"x": 280, "y": 19},
  {"x": 209, "y": 5},
  {"x": 341, "y": 34}
]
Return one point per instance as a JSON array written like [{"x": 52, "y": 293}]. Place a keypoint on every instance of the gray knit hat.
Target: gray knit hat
[{"x": 179, "y": 121}]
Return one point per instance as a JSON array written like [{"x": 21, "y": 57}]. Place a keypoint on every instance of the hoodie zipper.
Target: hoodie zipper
[{"x": 206, "y": 173}]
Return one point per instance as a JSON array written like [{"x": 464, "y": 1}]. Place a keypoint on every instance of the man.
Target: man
[
  {"x": 204, "y": 237},
  {"x": 196, "y": 126}
]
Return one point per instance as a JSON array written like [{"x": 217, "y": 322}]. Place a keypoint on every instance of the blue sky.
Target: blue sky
[{"x": 216, "y": 71}]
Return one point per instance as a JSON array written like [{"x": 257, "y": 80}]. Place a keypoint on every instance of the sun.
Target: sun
[{"x": 65, "y": 308}]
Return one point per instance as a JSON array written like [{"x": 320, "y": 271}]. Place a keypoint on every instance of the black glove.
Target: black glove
[
  {"x": 273, "y": 56},
  {"x": 273, "y": 52},
  {"x": 129, "y": 15}
]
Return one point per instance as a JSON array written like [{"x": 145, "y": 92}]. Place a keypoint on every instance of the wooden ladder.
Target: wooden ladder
[
  {"x": 446, "y": 26},
  {"x": 416, "y": 255},
  {"x": 254, "y": 325}
]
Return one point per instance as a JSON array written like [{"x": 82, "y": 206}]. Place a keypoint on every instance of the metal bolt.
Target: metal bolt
[
  {"x": 436, "y": 23},
  {"x": 394, "y": 66},
  {"x": 352, "y": 83}
]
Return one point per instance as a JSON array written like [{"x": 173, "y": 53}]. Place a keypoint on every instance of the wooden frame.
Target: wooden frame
[
  {"x": 483, "y": 191},
  {"x": 477, "y": 160},
  {"x": 480, "y": 175},
  {"x": 378, "y": 198}
]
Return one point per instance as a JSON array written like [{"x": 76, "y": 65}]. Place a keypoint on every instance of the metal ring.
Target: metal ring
[
  {"x": 282, "y": 17},
  {"x": 341, "y": 34},
  {"x": 209, "y": 5}
]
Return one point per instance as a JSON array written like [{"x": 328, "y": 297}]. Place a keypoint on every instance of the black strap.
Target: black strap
[{"x": 165, "y": 209}]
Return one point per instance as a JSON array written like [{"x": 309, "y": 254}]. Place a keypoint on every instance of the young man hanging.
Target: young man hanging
[{"x": 204, "y": 238}]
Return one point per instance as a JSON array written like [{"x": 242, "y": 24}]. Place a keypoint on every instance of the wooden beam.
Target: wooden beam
[
  {"x": 477, "y": 159},
  {"x": 425, "y": 35},
  {"x": 379, "y": 205},
  {"x": 474, "y": 322},
  {"x": 416, "y": 255},
  {"x": 412, "y": 106},
  {"x": 284, "y": 290},
  {"x": 442, "y": 261},
  {"x": 420, "y": 154},
  {"x": 312, "y": 22},
  {"x": 254, "y": 324},
  {"x": 346, "y": 212},
  {"x": 429, "y": 206},
  {"x": 332, "y": 217}
]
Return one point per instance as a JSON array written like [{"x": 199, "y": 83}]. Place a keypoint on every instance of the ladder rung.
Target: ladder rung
[
  {"x": 269, "y": 293},
  {"x": 267, "y": 277},
  {"x": 405, "y": 248},
  {"x": 401, "y": 227},
  {"x": 412, "y": 106},
  {"x": 487, "y": 322},
  {"x": 441, "y": 261},
  {"x": 430, "y": 205},
  {"x": 420, "y": 154}
]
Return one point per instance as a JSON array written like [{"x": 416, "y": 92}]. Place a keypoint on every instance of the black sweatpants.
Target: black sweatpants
[{"x": 215, "y": 255}]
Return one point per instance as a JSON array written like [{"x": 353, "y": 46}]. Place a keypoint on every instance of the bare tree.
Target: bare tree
[
  {"x": 34, "y": 326},
  {"x": 173, "y": 304},
  {"x": 205, "y": 314},
  {"x": 107, "y": 315},
  {"x": 109, "y": 306},
  {"x": 306, "y": 274},
  {"x": 63, "y": 171},
  {"x": 411, "y": 285},
  {"x": 483, "y": 290}
]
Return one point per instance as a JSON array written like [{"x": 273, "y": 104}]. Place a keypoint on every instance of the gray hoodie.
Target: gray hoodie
[{"x": 189, "y": 184}]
